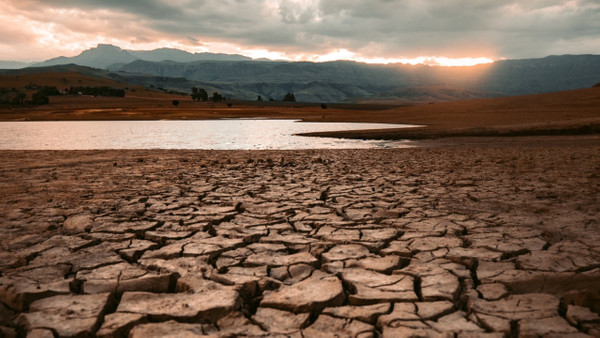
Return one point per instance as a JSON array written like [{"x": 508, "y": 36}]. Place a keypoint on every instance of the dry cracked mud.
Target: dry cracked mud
[{"x": 453, "y": 242}]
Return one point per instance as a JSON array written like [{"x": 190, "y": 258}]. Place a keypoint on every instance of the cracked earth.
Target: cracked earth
[{"x": 456, "y": 242}]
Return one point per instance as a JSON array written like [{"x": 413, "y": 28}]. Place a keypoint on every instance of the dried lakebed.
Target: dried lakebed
[{"x": 466, "y": 242}]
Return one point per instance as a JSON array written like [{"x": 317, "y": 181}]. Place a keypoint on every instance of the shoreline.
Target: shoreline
[
  {"x": 572, "y": 112},
  {"x": 427, "y": 133}
]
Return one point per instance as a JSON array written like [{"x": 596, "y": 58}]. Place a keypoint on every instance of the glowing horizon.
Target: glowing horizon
[
  {"x": 338, "y": 55},
  {"x": 346, "y": 55}
]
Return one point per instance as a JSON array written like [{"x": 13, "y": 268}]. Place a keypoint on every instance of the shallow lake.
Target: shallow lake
[{"x": 233, "y": 134}]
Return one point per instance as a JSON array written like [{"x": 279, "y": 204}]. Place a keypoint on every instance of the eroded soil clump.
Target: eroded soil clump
[{"x": 462, "y": 241}]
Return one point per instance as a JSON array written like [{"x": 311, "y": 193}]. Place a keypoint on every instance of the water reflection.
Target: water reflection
[{"x": 233, "y": 134}]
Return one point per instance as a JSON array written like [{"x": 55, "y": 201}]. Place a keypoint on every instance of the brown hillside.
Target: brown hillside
[
  {"x": 569, "y": 112},
  {"x": 63, "y": 80}
]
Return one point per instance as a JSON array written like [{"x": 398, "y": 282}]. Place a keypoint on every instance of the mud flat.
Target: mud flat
[{"x": 469, "y": 240}]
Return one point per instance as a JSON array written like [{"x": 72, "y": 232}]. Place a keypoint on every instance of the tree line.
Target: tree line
[
  {"x": 16, "y": 97},
  {"x": 289, "y": 97},
  {"x": 200, "y": 94},
  {"x": 41, "y": 96}
]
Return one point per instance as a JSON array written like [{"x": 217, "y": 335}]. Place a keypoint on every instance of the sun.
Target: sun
[
  {"x": 432, "y": 61},
  {"x": 462, "y": 62}
]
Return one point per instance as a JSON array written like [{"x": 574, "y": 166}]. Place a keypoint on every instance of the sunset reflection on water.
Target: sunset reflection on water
[{"x": 235, "y": 134}]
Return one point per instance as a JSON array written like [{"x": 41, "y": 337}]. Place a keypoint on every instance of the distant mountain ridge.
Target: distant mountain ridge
[
  {"x": 240, "y": 77},
  {"x": 105, "y": 55},
  {"x": 177, "y": 55},
  {"x": 14, "y": 64},
  {"x": 346, "y": 81}
]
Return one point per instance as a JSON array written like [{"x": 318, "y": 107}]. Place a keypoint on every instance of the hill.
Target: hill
[
  {"x": 242, "y": 78},
  {"x": 342, "y": 81},
  {"x": 65, "y": 76},
  {"x": 572, "y": 112}
]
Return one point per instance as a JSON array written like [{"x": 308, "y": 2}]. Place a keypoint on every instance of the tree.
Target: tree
[
  {"x": 175, "y": 103},
  {"x": 216, "y": 97},
  {"x": 289, "y": 97},
  {"x": 19, "y": 98},
  {"x": 202, "y": 95},
  {"x": 195, "y": 96},
  {"x": 199, "y": 94},
  {"x": 259, "y": 98}
]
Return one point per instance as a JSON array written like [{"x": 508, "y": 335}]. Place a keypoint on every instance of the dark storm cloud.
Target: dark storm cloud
[
  {"x": 506, "y": 27},
  {"x": 147, "y": 8},
  {"x": 388, "y": 28}
]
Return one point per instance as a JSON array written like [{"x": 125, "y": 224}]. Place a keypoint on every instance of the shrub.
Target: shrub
[
  {"x": 289, "y": 97},
  {"x": 216, "y": 97},
  {"x": 11, "y": 96},
  {"x": 49, "y": 91},
  {"x": 199, "y": 94},
  {"x": 40, "y": 98}
]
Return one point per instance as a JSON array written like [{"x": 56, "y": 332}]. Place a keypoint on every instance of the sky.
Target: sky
[{"x": 442, "y": 32}]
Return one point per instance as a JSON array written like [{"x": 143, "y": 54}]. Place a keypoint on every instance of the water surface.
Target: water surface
[{"x": 232, "y": 134}]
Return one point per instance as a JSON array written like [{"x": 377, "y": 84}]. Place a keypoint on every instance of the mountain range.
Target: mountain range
[
  {"x": 240, "y": 77},
  {"x": 105, "y": 55},
  {"x": 339, "y": 81}
]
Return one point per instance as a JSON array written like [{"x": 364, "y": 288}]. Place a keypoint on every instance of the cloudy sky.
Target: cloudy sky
[{"x": 316, "y": 30}]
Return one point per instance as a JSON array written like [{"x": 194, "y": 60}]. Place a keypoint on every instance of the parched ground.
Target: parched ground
[{"x": 459, "y": 241}]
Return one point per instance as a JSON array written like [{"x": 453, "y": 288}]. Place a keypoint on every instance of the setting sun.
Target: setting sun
[
  {"x": 434, "y": 61},
  {"x": 344, "y": 54}
]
